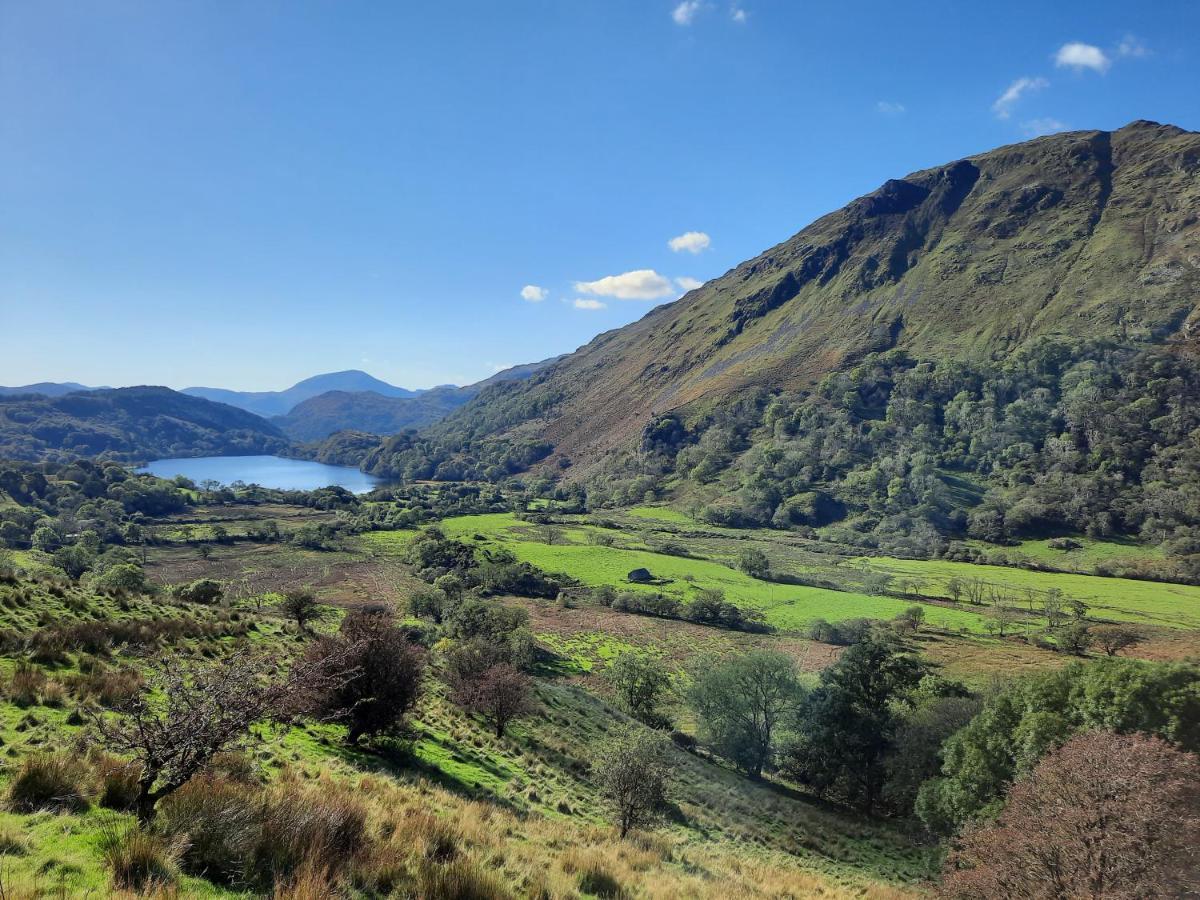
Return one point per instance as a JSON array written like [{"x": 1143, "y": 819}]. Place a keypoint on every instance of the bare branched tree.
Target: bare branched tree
[{"x": 189, "y": 713}]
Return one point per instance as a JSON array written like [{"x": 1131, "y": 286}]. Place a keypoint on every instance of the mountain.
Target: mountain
[
  {"x": 1087, "y": 234},
  {"x": 278, "y": 403},
  {"x": 47, "y": 389},
  {"x": 130, "y": 424},
  {"x": 372, "y": 413}
]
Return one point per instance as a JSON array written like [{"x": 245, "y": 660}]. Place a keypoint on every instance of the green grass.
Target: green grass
[
  {"x": 1089, "y": 555},
  {"x": 1119, "y": 599},
  {"x": 785, "y": 606}
]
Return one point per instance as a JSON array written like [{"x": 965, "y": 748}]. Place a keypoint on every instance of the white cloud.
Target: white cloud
[
  {"x": 1079, "y": 56},
  {"x": 688, "y": 284},
  {"x": 1038, "y": 127},
  {"x": 738, "y": 15},
  {"x": 500, "y": 367},
  {"x": 1133, "y": 47},
  {"x": 690, "y": 242},
  {"x": 584, "y": 303},
  {"x": 685, "y": 12},
  {"x": 533, "y": 293},
  {"x": 1005, "y": 102},
  {"x": 889, "y": 108},
  {"x": 641, "y": 284}
]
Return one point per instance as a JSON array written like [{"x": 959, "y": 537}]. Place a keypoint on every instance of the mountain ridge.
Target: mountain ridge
[{"x": 1087, "y": 233}]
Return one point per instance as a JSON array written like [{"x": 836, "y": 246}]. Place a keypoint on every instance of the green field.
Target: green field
[
  {"x": 1119, "y": 599},
  {"x": 785, "y": 606}
]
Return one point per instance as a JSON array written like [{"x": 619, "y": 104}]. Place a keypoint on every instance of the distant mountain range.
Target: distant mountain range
[
  {"x": 370, "y": 412},
  {"x": 279, "y": 403},
  {"x": 47, "y": 389},
  {"x": 134, "y": 424}
]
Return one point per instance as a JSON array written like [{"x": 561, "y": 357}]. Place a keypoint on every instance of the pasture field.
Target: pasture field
[
  {"x": 1118, "y": 599},
  {"x": 786, "y": 606}
]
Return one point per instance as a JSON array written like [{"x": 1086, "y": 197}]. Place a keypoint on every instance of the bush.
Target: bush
[
  {"x": 26, "y": 684},
  {"x": 140, "y": 860},
  {"x": 56, "y": 781},
  {"x": 202, "y": 590}
]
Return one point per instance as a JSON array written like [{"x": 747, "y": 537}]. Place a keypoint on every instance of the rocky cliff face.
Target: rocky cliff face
[{"x": 1085, "y": 234}]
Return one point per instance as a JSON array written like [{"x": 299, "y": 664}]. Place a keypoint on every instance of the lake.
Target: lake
[{"x": 268, "y": 471}]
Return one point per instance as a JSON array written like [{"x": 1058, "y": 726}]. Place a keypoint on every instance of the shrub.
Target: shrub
[
  {"x": 140, "y": 860},
  {"x": 202, "y": 590},
  {"x": 55, "y": 781}
]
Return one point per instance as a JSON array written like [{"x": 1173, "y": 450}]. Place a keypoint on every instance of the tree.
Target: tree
[
  {"x": 1105, "y": 815},
  {"x": 754, "y": 562},
  {"x": 1115, "y": 638},
  {"x": 954, "y": 589},
  {"x": 189, "y": 713},
  {"x": 374, "y": 674},
  {"x": 633, "y": 772},
  {"x": 639, "y": 682},
  {"x": 742, "y": 702},
  {"x": 450, "y": 585},
  {"x": 1020, "y": 724},
  {"x": 846, "y": 727},
  {"x": 301, "y": 606},
  {"x": 500, "y": 693},
  {"x": 74, "y": 560}
]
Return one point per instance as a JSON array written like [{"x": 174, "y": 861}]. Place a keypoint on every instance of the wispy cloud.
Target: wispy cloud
[
  {"x": 685, "y": 12},
  {"x": 1019, "y": 88},
  {"x": 888, "y": 108},
  {"x": 1038, "y": 127},
  {"x": 533, "y": 293},
  {"x": 690, "y": 242},
  {"x": 587, "y": 303},
  {"x": 738, "y": 15},
  {"x": 1132, "y": 47},
  {"x": 641, "y": 284},
  {"x": 1079, "y": 56}
]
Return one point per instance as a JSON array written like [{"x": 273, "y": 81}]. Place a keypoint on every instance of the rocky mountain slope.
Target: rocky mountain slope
[{"x": 1083, "y": 234}]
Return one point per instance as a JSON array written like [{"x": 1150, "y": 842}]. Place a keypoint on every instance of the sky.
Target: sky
[{"x": 245, "y": 194}]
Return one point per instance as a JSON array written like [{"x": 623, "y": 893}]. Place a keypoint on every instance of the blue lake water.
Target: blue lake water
[{"x": 267, "y": 471}]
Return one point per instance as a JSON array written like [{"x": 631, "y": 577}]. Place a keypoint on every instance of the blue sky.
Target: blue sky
[{"x": 244, "y": 194}]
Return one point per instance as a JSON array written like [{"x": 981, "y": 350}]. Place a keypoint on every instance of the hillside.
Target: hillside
[
  {"x": 129, "y": 424},
  {"x": 1085, "y": 234},
  {"x": 278, "y": 403},
  {"x": 373, "y": 413}
]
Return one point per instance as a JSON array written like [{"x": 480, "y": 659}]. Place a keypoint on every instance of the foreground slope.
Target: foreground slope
[{"x": 1084, "y": 234}]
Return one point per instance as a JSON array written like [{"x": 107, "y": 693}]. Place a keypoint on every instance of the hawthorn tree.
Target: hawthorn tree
[
  {"x": 301, "y": 606},
  {"x": 189, "y": 713},
  {"x": 633, "y": 772},
  {"x": 483, "y": 680},
  {"x": 373, "y": 673},
  {"x": 639, "y": 682}
]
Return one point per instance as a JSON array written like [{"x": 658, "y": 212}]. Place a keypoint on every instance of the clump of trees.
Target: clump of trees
[
  {"x": 1104, "y": 815},
  {"x": 483, "y": 680},
  {"x": 640, "y": 683},
  {"x": 1020, "y": 724}
]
